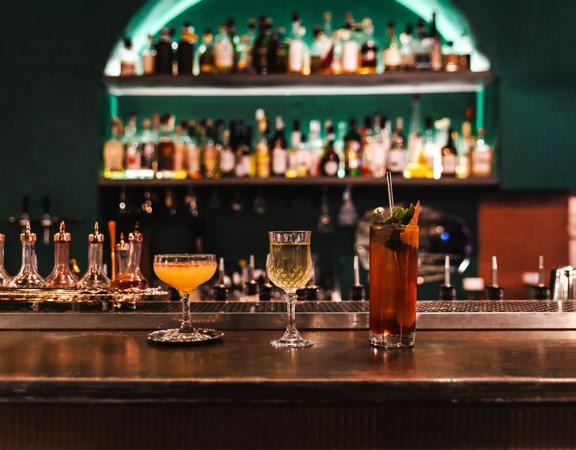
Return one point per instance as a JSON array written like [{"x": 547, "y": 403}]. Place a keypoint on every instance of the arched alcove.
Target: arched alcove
[{"x": 155, "y": 14}]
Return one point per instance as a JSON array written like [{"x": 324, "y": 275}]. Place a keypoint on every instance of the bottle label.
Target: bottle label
[
  {"x": 243, "y": 166},
  {"x": 223, "y": 54},
  {"x": 193, "y": 160},
  {"x": 148, "y": 155},
  {"x": 353, "y": 153},
  {"x": 449, "y": 164},
  {"x": 113, "y": 155},
  {"x": 350, "y": 56},
  {"x": 392, "y": 57},
  {"x": 396, "y": 161},
  {"x": 296, "y": 56},
  {"x": 279, "y": 161},
  {"x": 331, "y": 168},
  {"x": 227, "y": 161},
  {"x": 179, "y": 157},
  {"x": 132, "y": 156},
  {"x": 481, "y": 163}
]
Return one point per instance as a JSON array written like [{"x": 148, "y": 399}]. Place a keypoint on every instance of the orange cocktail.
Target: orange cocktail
[{"x": 185, "y": 276}]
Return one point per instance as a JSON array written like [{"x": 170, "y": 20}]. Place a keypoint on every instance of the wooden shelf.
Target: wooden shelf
[
  {"x": 287, "y": 84},
  {"x": 490, "y": 182}
]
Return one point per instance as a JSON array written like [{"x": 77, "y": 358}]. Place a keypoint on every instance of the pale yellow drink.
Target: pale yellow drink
[
  {"x": 185, "y": 276},
  {"x": 290, "y": 265}
]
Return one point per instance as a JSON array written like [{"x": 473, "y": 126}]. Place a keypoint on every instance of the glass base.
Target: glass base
[
  {"x": 291, "y": 342},
  {"x": 196, "y": 336},
  {"x": 392, "y": 341}
]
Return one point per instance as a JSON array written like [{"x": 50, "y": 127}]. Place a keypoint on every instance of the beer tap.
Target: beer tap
[
  {"x": 494, "y": 291},
  {"x": 357, "y": 291},
  {"x": 46, "y": 220},
  {"x": 541, "y": 291},
  {"x": 447, "y": 291}
]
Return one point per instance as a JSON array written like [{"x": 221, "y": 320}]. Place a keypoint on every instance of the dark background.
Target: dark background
[{"x": 53, "y": 109}]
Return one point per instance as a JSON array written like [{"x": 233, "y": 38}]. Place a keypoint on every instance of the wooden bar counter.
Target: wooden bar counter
[{"x": 455, "y": 389}]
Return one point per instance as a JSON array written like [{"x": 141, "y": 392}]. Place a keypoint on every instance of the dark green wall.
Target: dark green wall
[{"x": 51, "y": 103}]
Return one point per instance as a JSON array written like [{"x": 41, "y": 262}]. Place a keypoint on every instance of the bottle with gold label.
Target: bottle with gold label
[
  {"x": 262, "y": 149},
  {"x": 227, "y": 155},
  {"x": 210, "y": 156},
  {"x": 4, "y": 276},
  {"x": 61, "y": 276},
  {"x": 95, "y": 277},
  {"x": 28, "y": 276},
  {"x": 113, "y": 152}
]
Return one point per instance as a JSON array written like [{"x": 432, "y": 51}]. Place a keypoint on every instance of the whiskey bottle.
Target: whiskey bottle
[
  {"x": 435, "y": 46},
  {"x": 481, "y": 156},
  {"x": 397, "y": 154},
  {"x": 279, "y": 152},
  {"x": 210, "y": 157},
  {"x": 227, "y": 155},
  {"x": 28, "y": 276},
  {"x": 206, "y": 53},
  {"x": 185, "y": 51},
  {"x": 148, "y": 57},
  {"x": 369, "y": 49},
  {"x": 449, "y": 156},
  {"x": 262, "y": 149},
  {"x": 148, "y": 141},
  {"x": 223, "y": 51},
  {"x": 164, "y": 61},
  {"x": 297, "y": 47},
  {"x": 330, "y": 160},
  {"x": 61, "y": 276},
  {"x": 128, "y": 59},
  {"x": 328, "y": 45},
  {"x": 181, "y": 141},
  {"x": 166, "y": 148},
  {"x": 113, "y": 152},
  {"x": 353, "y": 150},
  {"x": 392, "y": 55},
  {"x": 193, "y": 154}
]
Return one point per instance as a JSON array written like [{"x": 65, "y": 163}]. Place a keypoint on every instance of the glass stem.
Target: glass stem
[
  {"x": 291, "y": 309},
  {"x": 186, "y": 324}
]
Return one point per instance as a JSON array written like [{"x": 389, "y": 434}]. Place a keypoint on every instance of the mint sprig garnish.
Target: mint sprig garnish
[{"x": 399, "y": 215}]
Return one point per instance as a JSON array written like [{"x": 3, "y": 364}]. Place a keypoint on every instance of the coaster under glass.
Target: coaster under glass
[{"x": 175, "y": 336}]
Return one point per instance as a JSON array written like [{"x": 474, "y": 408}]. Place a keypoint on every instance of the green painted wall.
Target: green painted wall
[{"x": 52, "y": 102}]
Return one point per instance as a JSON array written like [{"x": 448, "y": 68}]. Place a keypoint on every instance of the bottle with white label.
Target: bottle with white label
[
  {"x": 449, "y": 156},
  {"x": 223, "y": 51},
  {"x": 330, "y": 160},
  {"x": 397, "y": 153},
  {"x": 350, "y": 50},
  {"x": 481, "y": 157},
  {"x": 297, "y": 48},
  {"x": 392, "y": 54},
  {"x": 227, "y": 156},
  {"x": 279, "y": 152}
]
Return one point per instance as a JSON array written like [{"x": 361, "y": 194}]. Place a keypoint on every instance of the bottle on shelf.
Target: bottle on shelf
[
  {"x": 206, "y": 53},
  {"x": 227, "y": 155},
  {"x": 367, "y": 134},
  {"x": 166, "y": 148},
  {"x": 466, "y": 146},
  {"x": 131, "y": 276},
  {"x": 369, "y": 49},
  {"x": 185, "y": 51},
  {"x": 330, "y": 161},
  {"x": 262, "y": 148},
  {"x": 4, "y": 275},
  {"x": 303, "y": 155},
  {"x": 148, "y": 142},
  {"x": 415, "y": 133},
  {"x": 244, "y": 156},
  {"x": 353, "y": 150},
  {"x": 435, "y": 46},
  {"x": 210, "y": 156},
  {"x": 380, "y": 144},
  {"x": 431, "y": 149},
  {"x": 260, "y": 50},
  {"x": 450, "y": 57},
  {"x": 280, "y": 49},
  {"x": 449, "y": 155},
  {"x": 392, "y": 56},
  {"x": 193, "y": 153},
  {"x": 236, "y": 44},
  {"x": 149, "y": 56},
  {"x": 28, "y": 276},
  {"x": 407, "y": 47},
  {"x": 113, "y": 152},
  {"x": 481, "y": 157},
  {"x": 128, "y": 58},
  {"x": 328, "y": 57},
  {"x": 397, "y": 153},
  {"x": 246, "y": 47},
  {"x": 223, "y": 51},
  {"x": 164, "y": 61},
  {"x": 314, "y": 149},
  {"x": 181, "y": 142},
  {"x": 279, "y": 150},
  {"x": 298, "y": 51},
  {"x": 350, "y": 49},
  {"x": 421, "y": 48},
  {"x": 293, "y": 150},
  {"x": 95, "y": 276},
  {"x": 132, "y": 149}
]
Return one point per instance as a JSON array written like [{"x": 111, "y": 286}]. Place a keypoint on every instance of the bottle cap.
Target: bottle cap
[
  {"x": 27, "y": 235},
  {"x": 96, "y": 236},
  {"x": 62, "y": 235}
]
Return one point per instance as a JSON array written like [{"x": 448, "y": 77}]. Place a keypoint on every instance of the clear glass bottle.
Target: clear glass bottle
[
  {"x": 61, "y": 276},
  {"x": 223, "y": 51},
  {"x": 113, "y": 152},
  {"x": 131, "y": 276},
  {"x": 122, "y": 248},
  {"x": 397, "y": 154},
  {"x": 28, "y": 276},
  {"x": 95, "y": 277},
  {"x": 297, "y": 47},
  {"x": 4, "y": 276},
  {"x": 392, "y": 54},
  {"x": 407, "y": 47},
  {"x": 350, "y": 49},
  {"x": 279, "y": 152}
]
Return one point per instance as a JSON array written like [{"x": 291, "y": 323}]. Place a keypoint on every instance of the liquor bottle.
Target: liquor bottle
[
  {"x": 328, "y": 45},
  {"x": 4, "y": 276},
  {"x": 193, "y": 153},
  {"x": 418, "y": 162},
  {"x": 330, "y": 160},
  {"x": 449, "y": 156},
  {"x": 223, "y": 51},
  {"x": 148, "y": 140},
  {"x": 421, "y": 48},
  {"x": 279, "y": 49},
  {"x": 185, "y": 51},
  {"x": 95, "y": 276},
  {"x": 128, "y": 58},
  {"x": 369, "y": 49},
  {"x": 227, "y": 156},
  {"x": 61, "y": 276},
  {"x": 353, "y": 150},
  {"x": 415, "y": 134},
  {"x": 262, "y": 149},
  {"x": 339, "y": 147},
  {"x": 392, "y": 54},
  {"x": 206, "y": 53},
  {"x": 245, "y": 62},
  {"x": 244, "y": 157},
  {"x": 314, "y": 149},
  {"x": 481, "y": 157},
  {"x": 435, "y": 46},
  {"x": 367, "y": 147},
  {"x": 28, "y": 276},
  {"x": 431, "y": 149},
  {"x": 210, "y": 156},
  {"x": 164, "y": 61},
  {"x": 294, "y": 150},
  {"x": 132, "y": 150},
  {"x": 380, "y": 146},
  {"x": 397, "y": 154},
  {"x": 279, "y": 152},
  {"x": 236, "y": 44},
  {"x": 181, "y": 141},
  {"x": 148, "y": 57},
  {"x": 317, "y": 49},
  {"x": 350, "y": 49},
  {"x": 113, "y": 152},
  {"x": 450, "y": 57},
  {"x": 166, "y": 148},
  {"x": 131, "y": 276},
  {"x": 297, "y": 47},
  {"x": 260, "y": 57},
  {"x": 407, "y": 47}
]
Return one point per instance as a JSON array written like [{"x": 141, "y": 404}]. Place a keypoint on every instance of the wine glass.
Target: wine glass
[
  {"x": 184, "y": 272},
  {"x": 290, "y": 267}
]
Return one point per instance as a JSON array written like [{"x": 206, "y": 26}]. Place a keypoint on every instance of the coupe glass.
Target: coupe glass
[
  {"x": 184, "y": 272},
  {"x": 290, "y": 267}
]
